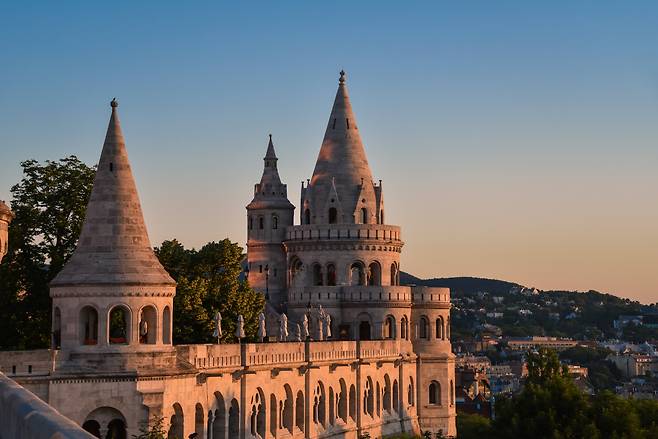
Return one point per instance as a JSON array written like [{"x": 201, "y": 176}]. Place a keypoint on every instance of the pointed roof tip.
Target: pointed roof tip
[
  {"x": 270, "y": 154},
  {"x": 114, "y": 103},
  {"x": 341, "y": 80}
]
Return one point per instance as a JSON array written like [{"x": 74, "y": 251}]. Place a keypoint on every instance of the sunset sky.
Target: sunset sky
[{"x": 515, "y": 140}]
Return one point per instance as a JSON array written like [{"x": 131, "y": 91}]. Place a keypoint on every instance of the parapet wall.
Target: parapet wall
[
  {"x": 376, "y": 232},
  {"x": 23, "y": 415}
]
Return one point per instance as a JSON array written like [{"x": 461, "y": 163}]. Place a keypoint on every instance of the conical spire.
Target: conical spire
[
  {"x": 270, "y": 191},
  {"x": 270, "y": 154},
  {"x": 114, "y": 246},
  {"x": 342, "y": 159}
]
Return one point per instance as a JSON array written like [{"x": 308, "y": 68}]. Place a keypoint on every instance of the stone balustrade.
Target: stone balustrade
[
  {"x": 375, "y": 232},
  {"x": 23, "y": 415},
  {"x": 430, "y": 295},
  {"x": 286, "y": 354},
  {"x": 357, "y": 293}
]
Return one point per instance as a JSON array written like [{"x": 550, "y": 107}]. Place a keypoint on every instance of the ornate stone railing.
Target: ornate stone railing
[
  {"x": 329, "y": 295},
  {"x": 430, "y": 295},
  {"x": 286, "y": 354},
  {"x": 376, "y": 232},
  {"x": 23, "y": 415}
]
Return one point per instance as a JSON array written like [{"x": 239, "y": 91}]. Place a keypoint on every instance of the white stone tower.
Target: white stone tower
[
  {"x": 6, "y": 216},
  {"x": 268, "y": 216},
  {"x": 113, "y": 298}
]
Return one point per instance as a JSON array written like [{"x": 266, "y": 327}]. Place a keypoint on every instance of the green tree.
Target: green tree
[
  {"x": 473, "y": 426},
  {"x": 154, "y": 431},
  {"x": 209, "y": 281},
  {"x": 49, "y": 203}
]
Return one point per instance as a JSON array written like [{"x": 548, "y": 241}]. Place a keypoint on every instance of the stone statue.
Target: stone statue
[
  {"x": 305, "y": 327},
  {"x": 262, "y": 333},
  {"x": 327, "y": 321},
  {"x": 298, "y": 335},
  {"x": 283, "y": 327},
  {"x": 239, "y": 330},
  {"x": 143, "y": 330},
  {"x": 218, "y": 327}
]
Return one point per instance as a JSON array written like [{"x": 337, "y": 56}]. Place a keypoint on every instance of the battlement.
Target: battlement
[
  {"x": 345, "y": 232},
  {"x": 358, "y": 293}
]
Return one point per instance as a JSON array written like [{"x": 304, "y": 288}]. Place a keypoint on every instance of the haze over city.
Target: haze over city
[{"x": 515, "y": 141}]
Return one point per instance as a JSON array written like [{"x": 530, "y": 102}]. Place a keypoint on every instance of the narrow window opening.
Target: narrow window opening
[
  {"x": 333, "y": 127},
  {"x": 347, "y": 122},
  {"x": 29, "y": 368},
  {"x": 111, "y": 167}
]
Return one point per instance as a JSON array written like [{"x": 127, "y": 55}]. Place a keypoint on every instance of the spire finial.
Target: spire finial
[
  {"x": 342, "y": 77},
  {"x": 114, "y": 103}
]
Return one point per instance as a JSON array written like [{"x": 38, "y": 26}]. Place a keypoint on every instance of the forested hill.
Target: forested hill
[{"x": 467, "y": 285}]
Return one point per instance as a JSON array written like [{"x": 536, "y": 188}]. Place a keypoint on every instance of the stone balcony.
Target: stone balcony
[{"x": 374, "y": 232}]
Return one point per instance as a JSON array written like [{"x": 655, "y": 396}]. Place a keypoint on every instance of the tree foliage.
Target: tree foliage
[
  {"x": 209, "y": 281},
  {"x": 551, "y": 406},
  {"x": 49, "y": 203}
]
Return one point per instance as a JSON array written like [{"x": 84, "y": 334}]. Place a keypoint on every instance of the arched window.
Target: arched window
[
  {"x": 389, "y": 327},
  {"x": 364, "y": 215},
  {"x": 439, "y": 329},
  {"x": 251, "y": 223},
  {"x": 299, "y": 411},
  {"x": 273, "y": 415},
  {"x": 404, "y": 328},
  {"x": 423, "y": 328},
  {"x": 332, "y": 406},
  {"x": 374, "y": 274},
  {"x": 394, "y": 274},
  {"x": 219, "y": 421},
  {"x": 452, "y": 393},
  {"x": 331, "y": 275},
  {"x": 357, "y": 274},
  {"x": 368, "y": 398},
  {"x": 434, "y": 393},
  {"x": 307, "y": 216},
  {"x": 396, "y": 396},
  {"x": 257, "y": 416},
  {"x": 381, "y": 216},
  {"x": 287, "y": 414},
  {"x": 57, "y": 328},
  {"x": 319, "y": 403},
  {"x": 317, "y": 274},
  {"x": 387, "y": 394},
  {"x": 295, "y": 269},
  {"x": 275, "y": 222},
  {"x": 199, "y": 422},
  {"x": 447, "y": 331},
  {"x": 148, "y": 323},
  {"x": 166, "y": 326},
  {"x": 176, "y": 423},
  {"x": 410, "y": 392},
  {"x": 352, "y": 403},
  {"x": 342, "y": 400},
  {"x": 233, "y": 419},
  {"x": 261, "y": 222},
  {"x": 333, "y": 215},
  {"x": 119, "y": 324},
  {"x": 88, "y": 326}
]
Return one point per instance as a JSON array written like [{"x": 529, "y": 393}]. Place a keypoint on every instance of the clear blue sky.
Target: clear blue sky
[{"x": 516, "y": 140}]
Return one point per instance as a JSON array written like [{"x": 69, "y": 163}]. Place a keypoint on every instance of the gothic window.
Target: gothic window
[
  {"x": 374, "y": 274},
  {"x": 275, "y": 222},
  {"x": 352, "y": 403},
  {"x": 368, "y": 398},
  {"x": 198, "y": 419},
  {"x": 394, "y": 273},
  {"x": 233, "y": 419},
  {"x": 387, "y": 394},
  {"x": 333, "y": 215},
  {"x": 317, "y": 274},
  {"x": 439, "y": 329},
  {"x": 389, "y": 327},
  {"x": 261, "y": 222},
  {"x": 435, "y": 393},
  {"x": 423, "y": 328},
  {"x": 381, "y": 216},
  {"x": 396, "y": 396},
  {"x": 404, "y": 328},
  {"x": 119, "y": 323},
  {"x": 331, "y": 275},
  {"x": 299, "y": 411},
  {"x": 307, "y": 216},
  {"x": 364, "y": 215},
  {"x": 251, "y": 223},
  {"x": 88, "y": 326},
  {"x": 166, "y": 326},
  {"x": 357, "y": 274},
  {"x": 410, "y": 393}
]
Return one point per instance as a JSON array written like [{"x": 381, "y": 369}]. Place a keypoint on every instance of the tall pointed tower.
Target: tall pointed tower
[
  {"x": 113, "y": 296},
  {"x": 268, "y": 215}
]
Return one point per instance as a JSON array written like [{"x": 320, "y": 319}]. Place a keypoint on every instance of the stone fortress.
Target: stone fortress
[{"x": 377, "y": 358}]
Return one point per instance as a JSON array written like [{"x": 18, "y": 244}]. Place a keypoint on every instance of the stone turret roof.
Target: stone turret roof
[
  {"x": 342, "y": 163},
  {"x": 270, "y": 192},
  {"x": 114, "y": 246}
]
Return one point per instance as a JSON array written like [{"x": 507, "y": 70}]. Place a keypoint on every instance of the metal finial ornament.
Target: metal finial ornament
[
  {"x": 342, "y": 76},
  {"x": 114, "y": 103}
]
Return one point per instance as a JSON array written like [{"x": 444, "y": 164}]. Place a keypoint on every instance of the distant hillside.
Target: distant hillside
[{"x": 463, "y": 285}]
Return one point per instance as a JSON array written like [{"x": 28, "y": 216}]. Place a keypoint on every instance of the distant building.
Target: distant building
[
  {"x": 633, "y": 364},
  {"x": 536, "y": 342}
]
